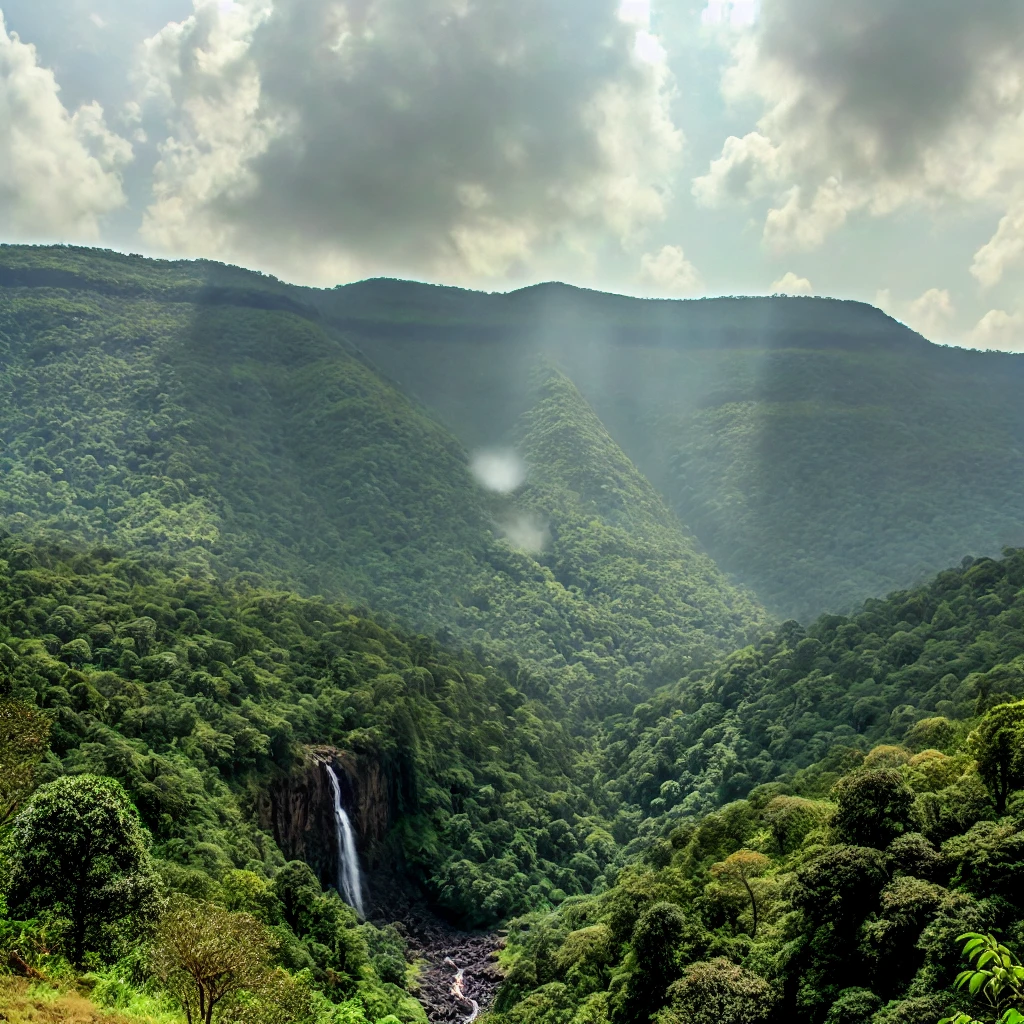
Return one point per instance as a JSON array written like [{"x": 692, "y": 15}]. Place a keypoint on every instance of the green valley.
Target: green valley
[{"x": 671, "y": 651}]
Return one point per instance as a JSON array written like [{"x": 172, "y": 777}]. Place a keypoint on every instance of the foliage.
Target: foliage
[
  {"x": 23, "y": 735},
  {"x": 79, "y": 852},
  {"x": 997, "y": 978},
  {"x": 873, "y": 807},
  {"x": 822, "y": 452},
  {"x": 200, "y": 412},
  {"x": 206, "y": 955},
  {"x": 998, "y": 745},
  {"x": 815, "y": 698},
  {"x": 742, "y": 867},
  {"x": 721, "y": 991}
]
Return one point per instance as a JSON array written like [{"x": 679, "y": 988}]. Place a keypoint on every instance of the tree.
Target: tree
[
  {"x": 998, "y": 746},
  {"x": 841, "y": 885},
  {"x": 719, "y": 991},
  {"x": 24, "y": 732},
  {"x": 205, "y": 955},
  {"x": 659, "y": 931},
  {"x": 873, "y": 807},
  {"x": 739, "y": 868},
  {"x": 81, "y": 853}
]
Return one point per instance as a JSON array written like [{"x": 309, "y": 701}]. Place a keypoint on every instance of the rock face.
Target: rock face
[{"x": 299, "y": 809}]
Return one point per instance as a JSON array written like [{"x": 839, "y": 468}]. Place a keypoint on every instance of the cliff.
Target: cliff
[{"x": 298, "y": 809}]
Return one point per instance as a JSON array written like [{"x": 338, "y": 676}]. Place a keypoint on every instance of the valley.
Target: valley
[{"x": 709, "y": 695}]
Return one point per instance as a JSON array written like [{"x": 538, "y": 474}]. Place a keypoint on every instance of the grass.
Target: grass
[{"x": 42, "y": 1002}]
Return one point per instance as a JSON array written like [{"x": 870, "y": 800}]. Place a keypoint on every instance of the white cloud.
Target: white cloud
[
  {"x": 870, "y": 107},
  {"x": 59, "y": 172},
  {"x": 748, "y": 168},
  {"x": 792, "y": 284},
  {"x": 501, "y": 470},
  {"x": 805, "y": 225},
  {"x": 669, "y": 272},
  {"x": 1000, "y": 330},
  {"x": 1003, "y": 249},
  {"x": 526, "y": 532},
  {"x": 735, "y": 13},
  {"x": 932, "y": 313},
  {"x": 327, "y": 138}
]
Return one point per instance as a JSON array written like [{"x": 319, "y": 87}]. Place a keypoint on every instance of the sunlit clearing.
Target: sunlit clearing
[{"x": 498, "y": 469}]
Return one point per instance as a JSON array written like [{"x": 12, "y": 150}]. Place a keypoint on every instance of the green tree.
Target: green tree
[
  {"x": 206, "y": 956},
  {"x": 658, "y": 933},
  {"x": 998, "y": 746},
  {"x": 23, "y": 734},
  {"x": 80, "y": 853},
  {"x": 873, "y": 807},
  {"x": 738, "y": 869},
  {"x": 718, "y": 991}
]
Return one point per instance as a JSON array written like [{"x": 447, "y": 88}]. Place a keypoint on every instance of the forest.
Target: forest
[{"x": 234, "y": 542}]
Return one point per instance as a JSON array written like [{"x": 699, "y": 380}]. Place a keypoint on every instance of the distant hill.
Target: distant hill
[
  {"x": 217, "y": 416},
  {"x": 819, "y": 450}
]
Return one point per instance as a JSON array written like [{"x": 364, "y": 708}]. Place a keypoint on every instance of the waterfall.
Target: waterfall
[{"x": 350, "y": 882}]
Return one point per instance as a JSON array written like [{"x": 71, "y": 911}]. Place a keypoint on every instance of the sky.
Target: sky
[{"x": 867, "y": 149}]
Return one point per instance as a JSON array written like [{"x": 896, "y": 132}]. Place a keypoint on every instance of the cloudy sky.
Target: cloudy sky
[{"x": 871, "y": 149}]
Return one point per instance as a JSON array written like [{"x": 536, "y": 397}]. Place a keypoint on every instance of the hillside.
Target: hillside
[
  {"x": 886, "y": 823},
  {"x": 746, "y": 842},
  {"x": 419, "y": 556},
  {"x": 820, "y": 451},
  {"x": 200, "y": 412}
]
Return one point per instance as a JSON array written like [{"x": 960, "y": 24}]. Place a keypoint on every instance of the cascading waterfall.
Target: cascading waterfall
[{"x": 350, "y": 881}]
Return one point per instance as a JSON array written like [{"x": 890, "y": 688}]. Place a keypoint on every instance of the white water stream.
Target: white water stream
[
  {"x": 350, "y": 880},
  {"x": 458, "y": 990}
]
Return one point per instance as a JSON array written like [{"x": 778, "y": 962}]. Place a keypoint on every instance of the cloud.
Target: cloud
[
  {"x": 869, "y": 107},
  {"x": 526, "y": 532},
  {"x": 1004, "y": 248},
  {"x": 669, "y": 272},
  {"x": 501, "y": 470},
  {"x": 792, "y": 284},
  {"x": 432, "y": 137},
  {"x": 931, "y": 313},
  {"x": 805, "y": 225},
  {"x": 59, "y": 172},
  {"x": 1000, "y": 330}
]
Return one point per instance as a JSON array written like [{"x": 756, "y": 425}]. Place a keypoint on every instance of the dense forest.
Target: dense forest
[
  {"x": 242, "y": 540},
  {"x": 820, "y": 451},
  {"x": 140, "y": 413}
]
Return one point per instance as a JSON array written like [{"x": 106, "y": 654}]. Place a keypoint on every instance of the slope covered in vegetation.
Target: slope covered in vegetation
[
  {"x": 835, "y": 890},
  {"x": 820, "y": 451},
  {"x": 832, "y": 890},
  {"x": 575, "y": 719},
  {"x": 225, "y": 424}
]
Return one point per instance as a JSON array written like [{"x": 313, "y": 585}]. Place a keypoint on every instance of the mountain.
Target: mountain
[
  {"x": 817, "y": 450},
  {"x": 560, "y": 718},
  {"x": 820, "y": 451},
  {"x": 887, "y": 823},
  {"x": 216, "y": 416}
]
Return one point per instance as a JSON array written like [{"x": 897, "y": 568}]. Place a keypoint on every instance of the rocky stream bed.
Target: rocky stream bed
[{"x": 460, "y": 975}]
